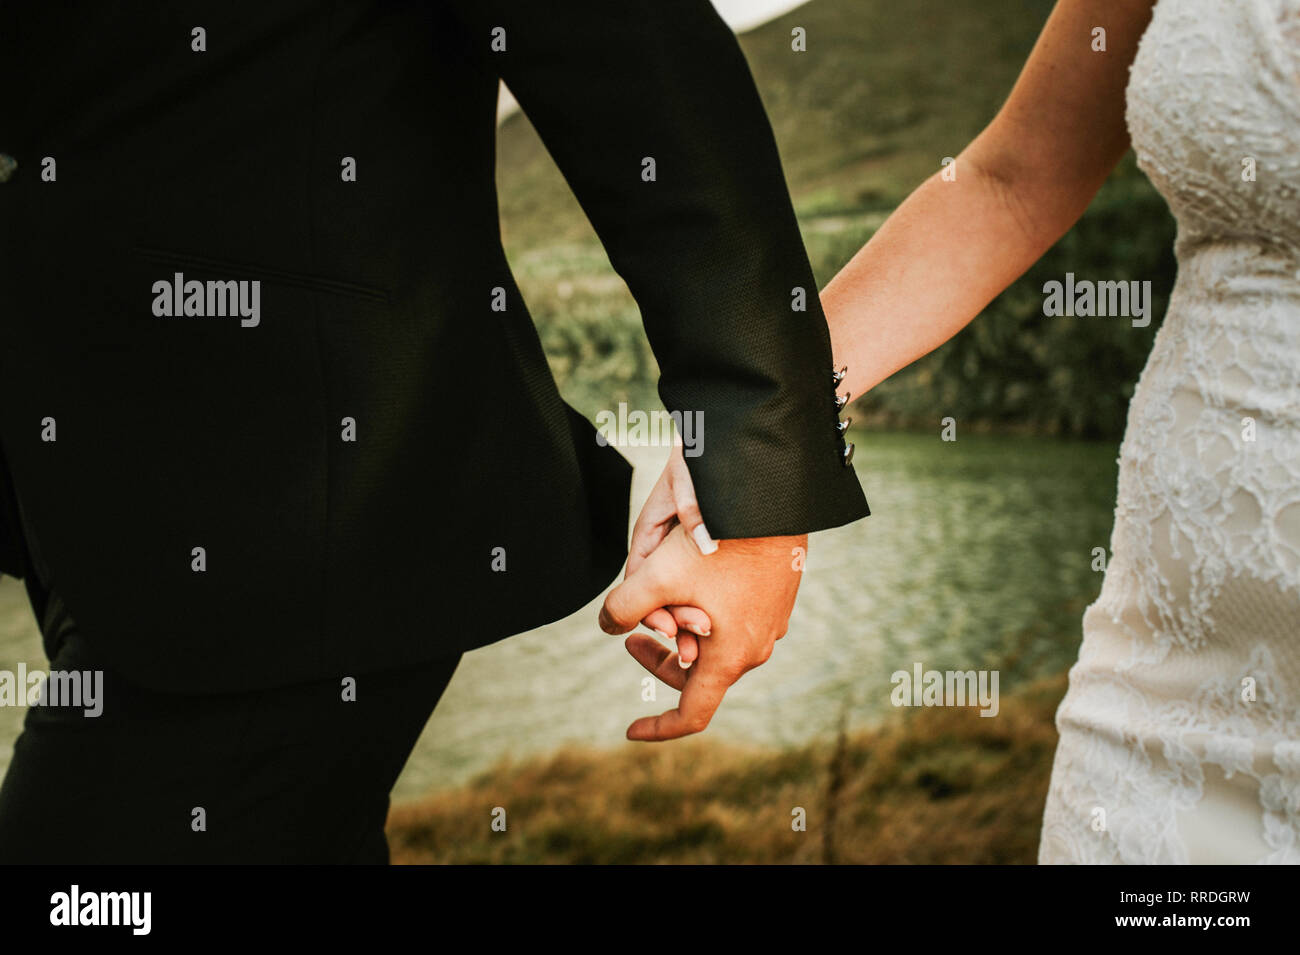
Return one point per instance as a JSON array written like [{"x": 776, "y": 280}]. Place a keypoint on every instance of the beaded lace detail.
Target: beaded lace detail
[{"x": 1180, "y": 733}]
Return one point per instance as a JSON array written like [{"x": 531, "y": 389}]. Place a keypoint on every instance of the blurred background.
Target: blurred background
[{"x": 979, "y": 553}]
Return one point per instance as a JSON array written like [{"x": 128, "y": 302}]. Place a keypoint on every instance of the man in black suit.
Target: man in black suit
[{"x": 279, "y": 439}]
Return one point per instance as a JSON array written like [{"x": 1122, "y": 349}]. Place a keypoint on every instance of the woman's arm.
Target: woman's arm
[
  {"x": 949, "y": 249},
  {"x": 952, "y": 246}
]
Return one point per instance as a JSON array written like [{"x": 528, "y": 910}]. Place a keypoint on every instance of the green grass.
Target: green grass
[
  {"x": 885, "y": 91},
  {"x": 932, "y": 785}
]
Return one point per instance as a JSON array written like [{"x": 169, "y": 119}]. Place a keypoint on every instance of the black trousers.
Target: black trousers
[{"x": 292, "y": 775}]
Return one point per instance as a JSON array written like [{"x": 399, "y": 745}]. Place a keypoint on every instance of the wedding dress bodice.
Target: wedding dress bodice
[{"x": 1180, "y": 733}]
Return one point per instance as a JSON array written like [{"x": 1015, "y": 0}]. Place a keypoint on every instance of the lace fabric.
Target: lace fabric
[{"x": 1180, "y": 732}]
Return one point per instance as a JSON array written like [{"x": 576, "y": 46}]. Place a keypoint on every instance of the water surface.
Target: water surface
[{"x": 978, "y": 554}]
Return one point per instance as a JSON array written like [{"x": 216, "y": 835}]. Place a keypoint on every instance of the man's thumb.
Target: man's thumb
[{"x": 633, "y": 599}]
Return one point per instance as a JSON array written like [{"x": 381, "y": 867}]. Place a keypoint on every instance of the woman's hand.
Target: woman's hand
[{"x": 672, "y": 502}]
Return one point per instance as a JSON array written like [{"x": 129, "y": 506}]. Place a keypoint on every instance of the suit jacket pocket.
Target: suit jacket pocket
[{"x": 294, "y": 279}]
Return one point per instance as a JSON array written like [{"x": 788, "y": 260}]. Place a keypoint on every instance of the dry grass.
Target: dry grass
[{"x": 930, "y": 786}]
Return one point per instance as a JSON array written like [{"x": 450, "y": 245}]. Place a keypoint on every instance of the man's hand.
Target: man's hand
[{"x": 747, "y": 588}]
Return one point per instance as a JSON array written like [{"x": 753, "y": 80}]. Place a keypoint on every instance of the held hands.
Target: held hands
[
  {"x": 748, "y": 587},
  {"x": 672, "y": 502}
]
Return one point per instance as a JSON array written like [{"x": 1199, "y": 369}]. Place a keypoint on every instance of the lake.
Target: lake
[{"x": 978, "y": 555}]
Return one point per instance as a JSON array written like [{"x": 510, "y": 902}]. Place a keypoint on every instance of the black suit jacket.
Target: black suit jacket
[{"x": 328, "y": 556}]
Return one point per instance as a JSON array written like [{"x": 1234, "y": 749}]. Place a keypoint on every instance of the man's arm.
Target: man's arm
[{"x": 709, "y": 248}]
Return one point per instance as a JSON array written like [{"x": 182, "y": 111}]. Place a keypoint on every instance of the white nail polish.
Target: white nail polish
[
  {"x": 703, "y": 541},
  {"x": 684, "y": 666}
]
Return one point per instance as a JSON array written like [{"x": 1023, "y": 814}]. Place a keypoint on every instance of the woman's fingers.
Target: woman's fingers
[
  {"x": 691, "y": 622},
  {"x": 685, "y": 506},
  {"x": 688, "y": 649},
  {"x": 672, "y": 501},
  {"x": 691, "y": 618},
  {"x": 661, "y": 621},
  {"x": 665, "y": 622},
  {"x": 658, "y": 516}
]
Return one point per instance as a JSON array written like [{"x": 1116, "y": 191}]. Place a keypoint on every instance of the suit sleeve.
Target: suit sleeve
[
  {"x": 12, "y": 552},
  {"x": 709, "y": 247}
]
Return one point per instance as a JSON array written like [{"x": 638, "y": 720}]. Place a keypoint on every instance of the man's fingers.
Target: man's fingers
[
  {"x": 700, "y": 700},
  {"x": 632, "y": 601},
  {"x": 664, "y": 579},
  {"x": 656, "y": 658}
]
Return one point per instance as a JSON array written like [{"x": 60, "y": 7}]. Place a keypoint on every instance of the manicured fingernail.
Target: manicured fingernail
[
  {"x": 693, "y": 628},
  {"x": 661, "y": 633},
  {"x": 703, "y": 541},
  {"x": 684, "y": 666}
]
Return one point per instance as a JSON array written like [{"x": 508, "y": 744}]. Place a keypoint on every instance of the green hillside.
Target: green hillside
[{"x": 884, "y": 92}]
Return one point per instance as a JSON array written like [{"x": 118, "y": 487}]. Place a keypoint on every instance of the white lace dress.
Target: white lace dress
[{"x": 1180, "y": 733}]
